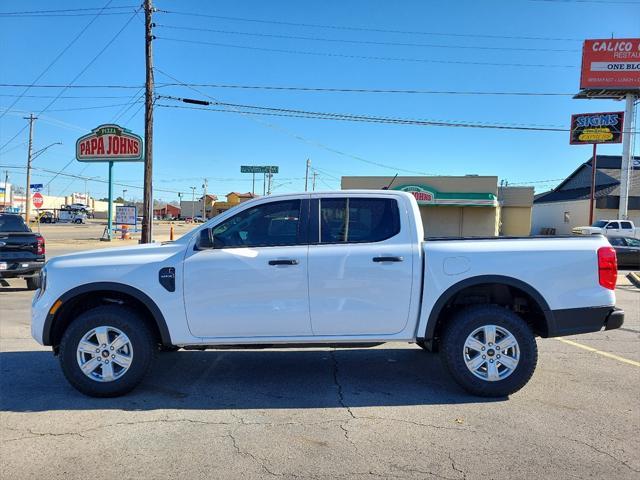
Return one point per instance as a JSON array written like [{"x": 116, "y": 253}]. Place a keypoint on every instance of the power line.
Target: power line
[
  {"x": 69, "y": 97},
  {"x": 368, "y": 29},
  {"x": 65, "y": 86},
  {"x": 362, "y": 57},
  {"x": 303, "y": 89},
  {"x": 68, "y": 10},
  {"x": 365, "y": 42},
  {"x": 86, "y": 67},
  {"x": 53, "y": 62},
  {"x": 366, "y": 118},
  {"x": 76, "y": 109},
  {"x": 293, "y": 134}
]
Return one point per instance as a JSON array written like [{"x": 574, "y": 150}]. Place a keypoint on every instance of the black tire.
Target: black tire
[
  {"x": 124, "y": 319},
  {"x": 32, "y": 283},
  {"x": 463, "y": 324}
]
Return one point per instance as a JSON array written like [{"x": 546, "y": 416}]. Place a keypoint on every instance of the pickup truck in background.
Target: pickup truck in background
[
  {"x": 338, "y": 269},
  {"x": 21, "y": 250},
  {"x": 610, "y": 228}
]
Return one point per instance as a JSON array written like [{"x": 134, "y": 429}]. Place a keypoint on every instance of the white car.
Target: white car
[
  {"x": 610, "y": 228},
  {"x": 347, "y": 268}
]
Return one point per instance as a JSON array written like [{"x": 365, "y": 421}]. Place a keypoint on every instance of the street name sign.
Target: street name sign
[{"x": 258, "y": 169}]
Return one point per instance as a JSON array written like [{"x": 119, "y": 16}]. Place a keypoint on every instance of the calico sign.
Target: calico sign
[
  {"x": 589, "y": 128},
  {"x": 109, "y": 143},
  {"x": 611, "y": 63}
]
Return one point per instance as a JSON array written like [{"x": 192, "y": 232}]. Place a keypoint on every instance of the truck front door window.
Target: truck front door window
[{"x": 268, "y": 225}]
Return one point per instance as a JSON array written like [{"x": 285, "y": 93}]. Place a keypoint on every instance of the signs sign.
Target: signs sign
[
  {"x": 126, "y": 215},
  {"x": 588, "y": 128},
  {"x": 36, "y": 187},
  {"x": 426, "y": 195},
  {"x": 611, "y": 63},
  {"x": 109, "y": 143},
  {"x": 258, "y": 169},
  {"x": 37, "y": 199}
]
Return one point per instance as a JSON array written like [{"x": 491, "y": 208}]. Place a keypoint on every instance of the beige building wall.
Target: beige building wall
[
  {"x": 445, "y": 221},
  {"x": 515, "y": 221}
]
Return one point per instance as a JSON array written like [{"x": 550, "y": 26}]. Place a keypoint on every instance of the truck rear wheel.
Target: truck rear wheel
[
  {"x": 489, "y": 350},
  {"x": 106, "y": 351},
  {"x": 32, "y": 283}
]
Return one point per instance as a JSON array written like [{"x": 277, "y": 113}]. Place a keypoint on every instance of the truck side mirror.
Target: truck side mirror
[{"x": 205, "y": 240}]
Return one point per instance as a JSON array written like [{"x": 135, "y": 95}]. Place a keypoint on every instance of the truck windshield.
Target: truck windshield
[
  {"x": 12, "y": 223},
  {"x": 599, "y": 224}
]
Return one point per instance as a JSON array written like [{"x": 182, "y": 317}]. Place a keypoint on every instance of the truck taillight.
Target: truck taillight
[
  {"x": 40, "y": 246},
  {"x": 607, "y": 267}
]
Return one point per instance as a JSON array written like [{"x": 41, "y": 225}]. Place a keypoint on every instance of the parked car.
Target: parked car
[
  {"x": 627, "y": 250},
  {"x": 347, "y": 268},
  {"x": 21, "y": 250},
  {"x": 610, "y": 228}
]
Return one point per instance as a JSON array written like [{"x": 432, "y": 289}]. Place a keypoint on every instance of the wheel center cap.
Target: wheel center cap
[
  {"x": 105, "y": 353},
  {"x": 491, "y": 352}
]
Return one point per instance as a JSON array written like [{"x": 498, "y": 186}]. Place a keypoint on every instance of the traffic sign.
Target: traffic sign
[
  {"x": 36, "y": 187},
  {"x": 37, "y": 199},
  {"x": 258, "y": 169}
]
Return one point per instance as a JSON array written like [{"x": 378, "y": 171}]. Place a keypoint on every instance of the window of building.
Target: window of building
[
  {"x": 358, "y": 220},
  {"x": 269, "y": 225}
]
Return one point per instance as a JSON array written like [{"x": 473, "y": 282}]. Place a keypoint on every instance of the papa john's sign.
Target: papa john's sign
[{"x": 109, "y": 143}]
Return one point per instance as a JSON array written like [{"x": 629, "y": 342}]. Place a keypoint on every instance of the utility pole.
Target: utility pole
[
  {"x": 626, "y": 166},
  {"x": 204, "y": 200},
  {"x": 6, "y": 192},
  {"x": 313, "y": 182},
  {"x": 306, "y": 175},
  {"x": 27, "y": 203},
  {"x": 124, "y": 192},
  {"x": 193, "y": 202},
  {"x": 147, "y": 204}
]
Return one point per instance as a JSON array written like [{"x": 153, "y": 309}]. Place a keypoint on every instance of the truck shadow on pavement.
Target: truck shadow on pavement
[{"x": 245, "y": 379}]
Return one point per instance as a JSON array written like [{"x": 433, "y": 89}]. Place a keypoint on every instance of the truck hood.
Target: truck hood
[
  {"x": 119, "y": 256},
  {"x": 586, "y": 230}
]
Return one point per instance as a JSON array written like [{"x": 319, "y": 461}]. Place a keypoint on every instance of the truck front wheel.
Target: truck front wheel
[
  {"x": 489, "y": 350},
  {"x": 106, "y": 351}
]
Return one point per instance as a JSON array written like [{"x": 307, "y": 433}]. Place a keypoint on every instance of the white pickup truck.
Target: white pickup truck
[
  {"x": 610, "y": 228},
  {"x": 339, "y": 269}
]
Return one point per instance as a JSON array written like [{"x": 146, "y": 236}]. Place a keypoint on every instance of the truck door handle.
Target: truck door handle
[
  {"x": 387, "y": 259},
  {"x": 283, "y": 262}
]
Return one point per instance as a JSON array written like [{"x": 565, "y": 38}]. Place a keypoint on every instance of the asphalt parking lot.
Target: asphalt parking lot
[{"x": 386, "y": 412}]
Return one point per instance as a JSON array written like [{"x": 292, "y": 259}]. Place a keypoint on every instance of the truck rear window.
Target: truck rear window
[{"x": 12, "y": 223}]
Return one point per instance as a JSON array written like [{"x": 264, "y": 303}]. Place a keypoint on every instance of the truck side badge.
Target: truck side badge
[{"x": 167, "y": 277}]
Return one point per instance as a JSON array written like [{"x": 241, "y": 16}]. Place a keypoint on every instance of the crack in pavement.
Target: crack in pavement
[
  {"x": 338, "y": 384},
  {"x": 260, "y": 461},
  {"x": 453, "y": 465},
  {"x": 596, "y": 449}
]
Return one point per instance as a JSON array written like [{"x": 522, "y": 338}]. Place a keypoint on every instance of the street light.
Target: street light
[{"x": 30, "y": 158}]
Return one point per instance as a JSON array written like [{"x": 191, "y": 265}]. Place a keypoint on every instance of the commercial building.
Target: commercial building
[
  {"x": 190, "y": 208},
  {"x": 567, "y": 205},
  {"x": 233, "y": 199},
  {"x": 167, "y": 212},
  {"x": 461, "y": 206}
]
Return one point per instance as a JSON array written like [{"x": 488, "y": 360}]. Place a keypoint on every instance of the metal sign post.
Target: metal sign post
[{"x": 266, "y": 170}]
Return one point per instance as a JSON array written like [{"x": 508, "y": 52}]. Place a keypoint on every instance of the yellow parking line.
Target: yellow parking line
[{"x": 599, "y": 352}]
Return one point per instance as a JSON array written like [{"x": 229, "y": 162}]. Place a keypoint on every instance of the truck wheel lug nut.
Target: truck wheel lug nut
[
  {"x": 113, "y": 356},
  {"x": 482, "y": 349},
  {"x": 111, "y": 348},
  {"x": 484, "y": 356},
  {"x": 490, "y": 361}
]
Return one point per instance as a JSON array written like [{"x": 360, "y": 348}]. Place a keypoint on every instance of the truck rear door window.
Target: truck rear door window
[
  {"x": 626, "y": 225},
  {"x": 358, "y": 220}
]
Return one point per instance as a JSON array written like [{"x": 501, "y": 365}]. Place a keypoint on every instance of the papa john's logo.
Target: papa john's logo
[{"x": 421, "y": 194}]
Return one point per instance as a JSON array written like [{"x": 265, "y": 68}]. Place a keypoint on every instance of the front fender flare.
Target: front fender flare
[{"x": 156, "y": 314}]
